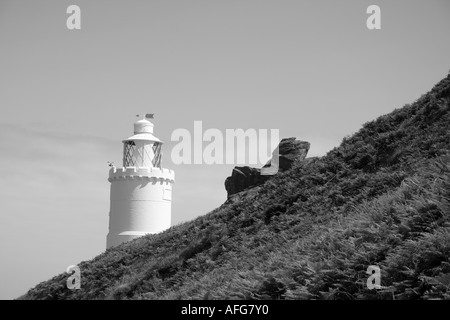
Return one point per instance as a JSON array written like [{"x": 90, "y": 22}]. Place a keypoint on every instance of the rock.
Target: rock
[
  {"x": 242, "y": 178},
  {"x": 290, "y": 151}
]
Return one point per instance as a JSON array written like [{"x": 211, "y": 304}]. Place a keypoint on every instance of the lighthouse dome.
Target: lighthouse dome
[
  {"x": 143, "y": 126},
  {"x": 143, "y": 130}
]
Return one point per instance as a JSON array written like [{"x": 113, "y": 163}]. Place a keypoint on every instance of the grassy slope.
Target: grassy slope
[{"x": 381, "y": 198}]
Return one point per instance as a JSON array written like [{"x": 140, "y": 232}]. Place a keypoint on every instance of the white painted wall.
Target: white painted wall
[{"x": 140, "y": 202}]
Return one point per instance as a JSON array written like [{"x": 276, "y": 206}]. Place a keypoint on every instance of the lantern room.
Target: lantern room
[{"x": 142, "y": 149}]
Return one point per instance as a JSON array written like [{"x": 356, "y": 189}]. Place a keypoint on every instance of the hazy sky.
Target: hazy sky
[{"x": 67, "y": 98}]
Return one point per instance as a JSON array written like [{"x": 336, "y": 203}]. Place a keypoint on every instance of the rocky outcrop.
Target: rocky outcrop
[
  {"x": 289, "y": 151},
  {"x": 243, "y": 178}
]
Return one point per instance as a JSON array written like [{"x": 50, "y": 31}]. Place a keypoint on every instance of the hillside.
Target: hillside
[{"x": 381, "y": 198}]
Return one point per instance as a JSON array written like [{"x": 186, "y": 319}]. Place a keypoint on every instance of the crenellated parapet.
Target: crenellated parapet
[{"x": 142, "y": 173}]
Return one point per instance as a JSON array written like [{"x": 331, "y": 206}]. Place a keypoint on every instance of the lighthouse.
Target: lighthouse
[{"x": 141, "y": 191}]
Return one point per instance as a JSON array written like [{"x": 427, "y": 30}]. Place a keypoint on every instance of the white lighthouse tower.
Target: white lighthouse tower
[{"x": 141, "y": 191}]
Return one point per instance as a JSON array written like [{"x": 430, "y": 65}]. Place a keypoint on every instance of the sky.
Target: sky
[{"x": 311, "y": 69}]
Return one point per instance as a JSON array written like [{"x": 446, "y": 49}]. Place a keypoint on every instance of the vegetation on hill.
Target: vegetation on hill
[{"x": 381, "y": 198}]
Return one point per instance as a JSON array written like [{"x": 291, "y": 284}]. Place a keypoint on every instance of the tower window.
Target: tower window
[{"x": 129, "y": 148}]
